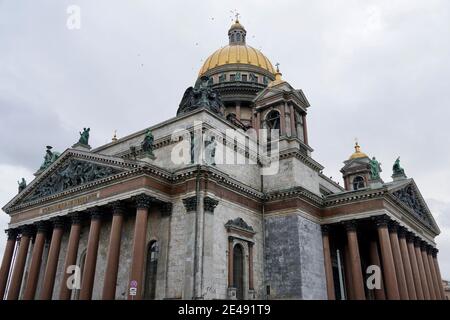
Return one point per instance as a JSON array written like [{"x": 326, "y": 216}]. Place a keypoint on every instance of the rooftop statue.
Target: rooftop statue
[
  {"x": 396, "y": 169},
  {"x": 84, "y": 136},
  {"x": 22, "y": 185},
  {"x": 147, "y": 144},
  {"x": 375, "y": 169},
  {"x": 201, "y": 96},
  {"x": 49, "y": 158}
]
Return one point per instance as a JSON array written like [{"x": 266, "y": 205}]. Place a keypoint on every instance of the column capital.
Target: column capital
[
  {"x": 143, "y": 201},
  {"x": 382, "y": 221},
  {"x": 12, "y": 233},
  {"x": 230, "y": 238},
  {"x": 325, "y": 229},
  {"x": 118, "y": 208},
  {"x": 410, "y": 236},
  {"x": 350, "y": 225},
  {"x": 76, "y": 217},
  {"x": 417, "y": 241},
  {"x": 166, "y": 209},
  {"x": 57, "y": 222},
  {"x": 423, "y": 245},
  {"x": 190, "y": 203},
  {"x": 393, "y": 226},
  {"x": 401, "y": 232},
  {"x": 27, "y": 230},
  {"x": 95, "y": 213},
  {"x": 42, "y": 226},
  {"x": 210, "y": 204},
  {"x": 434, "y": 252},
  {"x": 429, "y": 249}
]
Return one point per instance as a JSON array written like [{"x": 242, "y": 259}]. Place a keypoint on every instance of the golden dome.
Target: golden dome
[
  {"x": 358, "y": 154},
  {"x": 237, "y": 54}
]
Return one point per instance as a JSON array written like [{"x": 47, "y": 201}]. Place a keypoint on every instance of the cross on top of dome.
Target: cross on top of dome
[{"x": 237, "y": 33}]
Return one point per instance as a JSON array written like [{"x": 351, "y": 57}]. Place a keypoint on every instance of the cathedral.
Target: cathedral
[{"x": 222, "y": 201}]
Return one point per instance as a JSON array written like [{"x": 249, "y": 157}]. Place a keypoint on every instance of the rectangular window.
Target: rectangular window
[
  {"x": 244, "y": 77},
  {"x": 232, "y": 77}
]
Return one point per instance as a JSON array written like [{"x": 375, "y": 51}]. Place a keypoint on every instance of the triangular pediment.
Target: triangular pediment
[
  {"x": 408, "y": 195},
  {"x": 362, "y": 163},
  {"x": 74, "y": 170},
  {"x": 282, "y": 89}
]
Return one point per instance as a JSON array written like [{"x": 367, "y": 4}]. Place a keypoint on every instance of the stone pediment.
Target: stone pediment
[
  {"x": 282, "y": 90},
  {"x": 74, "y": 170},
  {"x": 356, "y": 164},
  {"x": 409, "y": 196}
]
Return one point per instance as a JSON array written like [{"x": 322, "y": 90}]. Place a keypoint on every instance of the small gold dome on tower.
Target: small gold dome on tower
[{"x": 358, "y": 154}]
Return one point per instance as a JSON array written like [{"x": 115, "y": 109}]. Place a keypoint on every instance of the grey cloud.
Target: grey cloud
[{"x": 376, "y": 70}]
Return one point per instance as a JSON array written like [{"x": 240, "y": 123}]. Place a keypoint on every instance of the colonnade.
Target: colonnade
[
  {"x": 410, "y": 270},
  {"x": 12, "y": 272}
]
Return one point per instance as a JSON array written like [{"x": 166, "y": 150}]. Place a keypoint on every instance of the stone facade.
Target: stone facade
[{"x": 225, "y": 230}]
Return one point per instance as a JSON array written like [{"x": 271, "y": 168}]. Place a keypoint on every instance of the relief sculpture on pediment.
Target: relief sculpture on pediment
[
  {"x": 71, "y": 174},
  {"x": 408, "y": 197}
]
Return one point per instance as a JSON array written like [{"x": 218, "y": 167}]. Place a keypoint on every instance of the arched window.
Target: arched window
[
  {"x": 358, "y": 183},
  {"x": 150, "y": 270},
  {"x": 273, "y": 120},
  {"x": 238, "y": 37},
  {"x": 238, "y": 271}
]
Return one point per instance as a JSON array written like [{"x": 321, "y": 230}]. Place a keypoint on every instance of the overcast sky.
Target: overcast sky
[{"x": 375, "y": 70}]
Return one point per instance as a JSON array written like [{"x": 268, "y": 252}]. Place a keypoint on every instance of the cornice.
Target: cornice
[
  {"x": 293, "y": 193},
  {"x": 302, "y": 157},
  {"x": 218, "y": 177},
  {"x": 347, "y": 197}
]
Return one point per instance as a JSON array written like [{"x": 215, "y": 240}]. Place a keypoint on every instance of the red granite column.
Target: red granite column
[
  {"x": 438, "y": 272},
  {"x": 407, "y": 264},
  {"x": 143, "y": 202},
  {"x": 7, "y": 259},
  {"x": 398, "y": 263},
  {"x": 423, "y": 251},
  {"x": 414, "y": 266},
  {"x": 355, "y": 261},
  {"x": 19, "y": 264},
  {"x": 71, "y": 255},
  {"x": 327, "y": 262},
  {"x": 90, "y": 263},
  {"x": 36, "y": 259},
  {"x": 112, "y": 261},
  {"x": 52, "y": 260},
  {"x": 437, "y": 292},
  {"x": 375, "y": 260},
  {"x": 423, "y": 277},
  {"x": 390, "y": 278},
  {"x": 348, "y": 274},
  {"x": 305, "y": 129}
]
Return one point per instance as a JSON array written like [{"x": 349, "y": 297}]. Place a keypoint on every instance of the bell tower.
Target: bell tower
[{"x": 356, "y": 170}]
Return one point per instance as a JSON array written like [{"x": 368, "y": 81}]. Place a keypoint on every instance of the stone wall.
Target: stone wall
[{"x": 294, "y": 258}]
